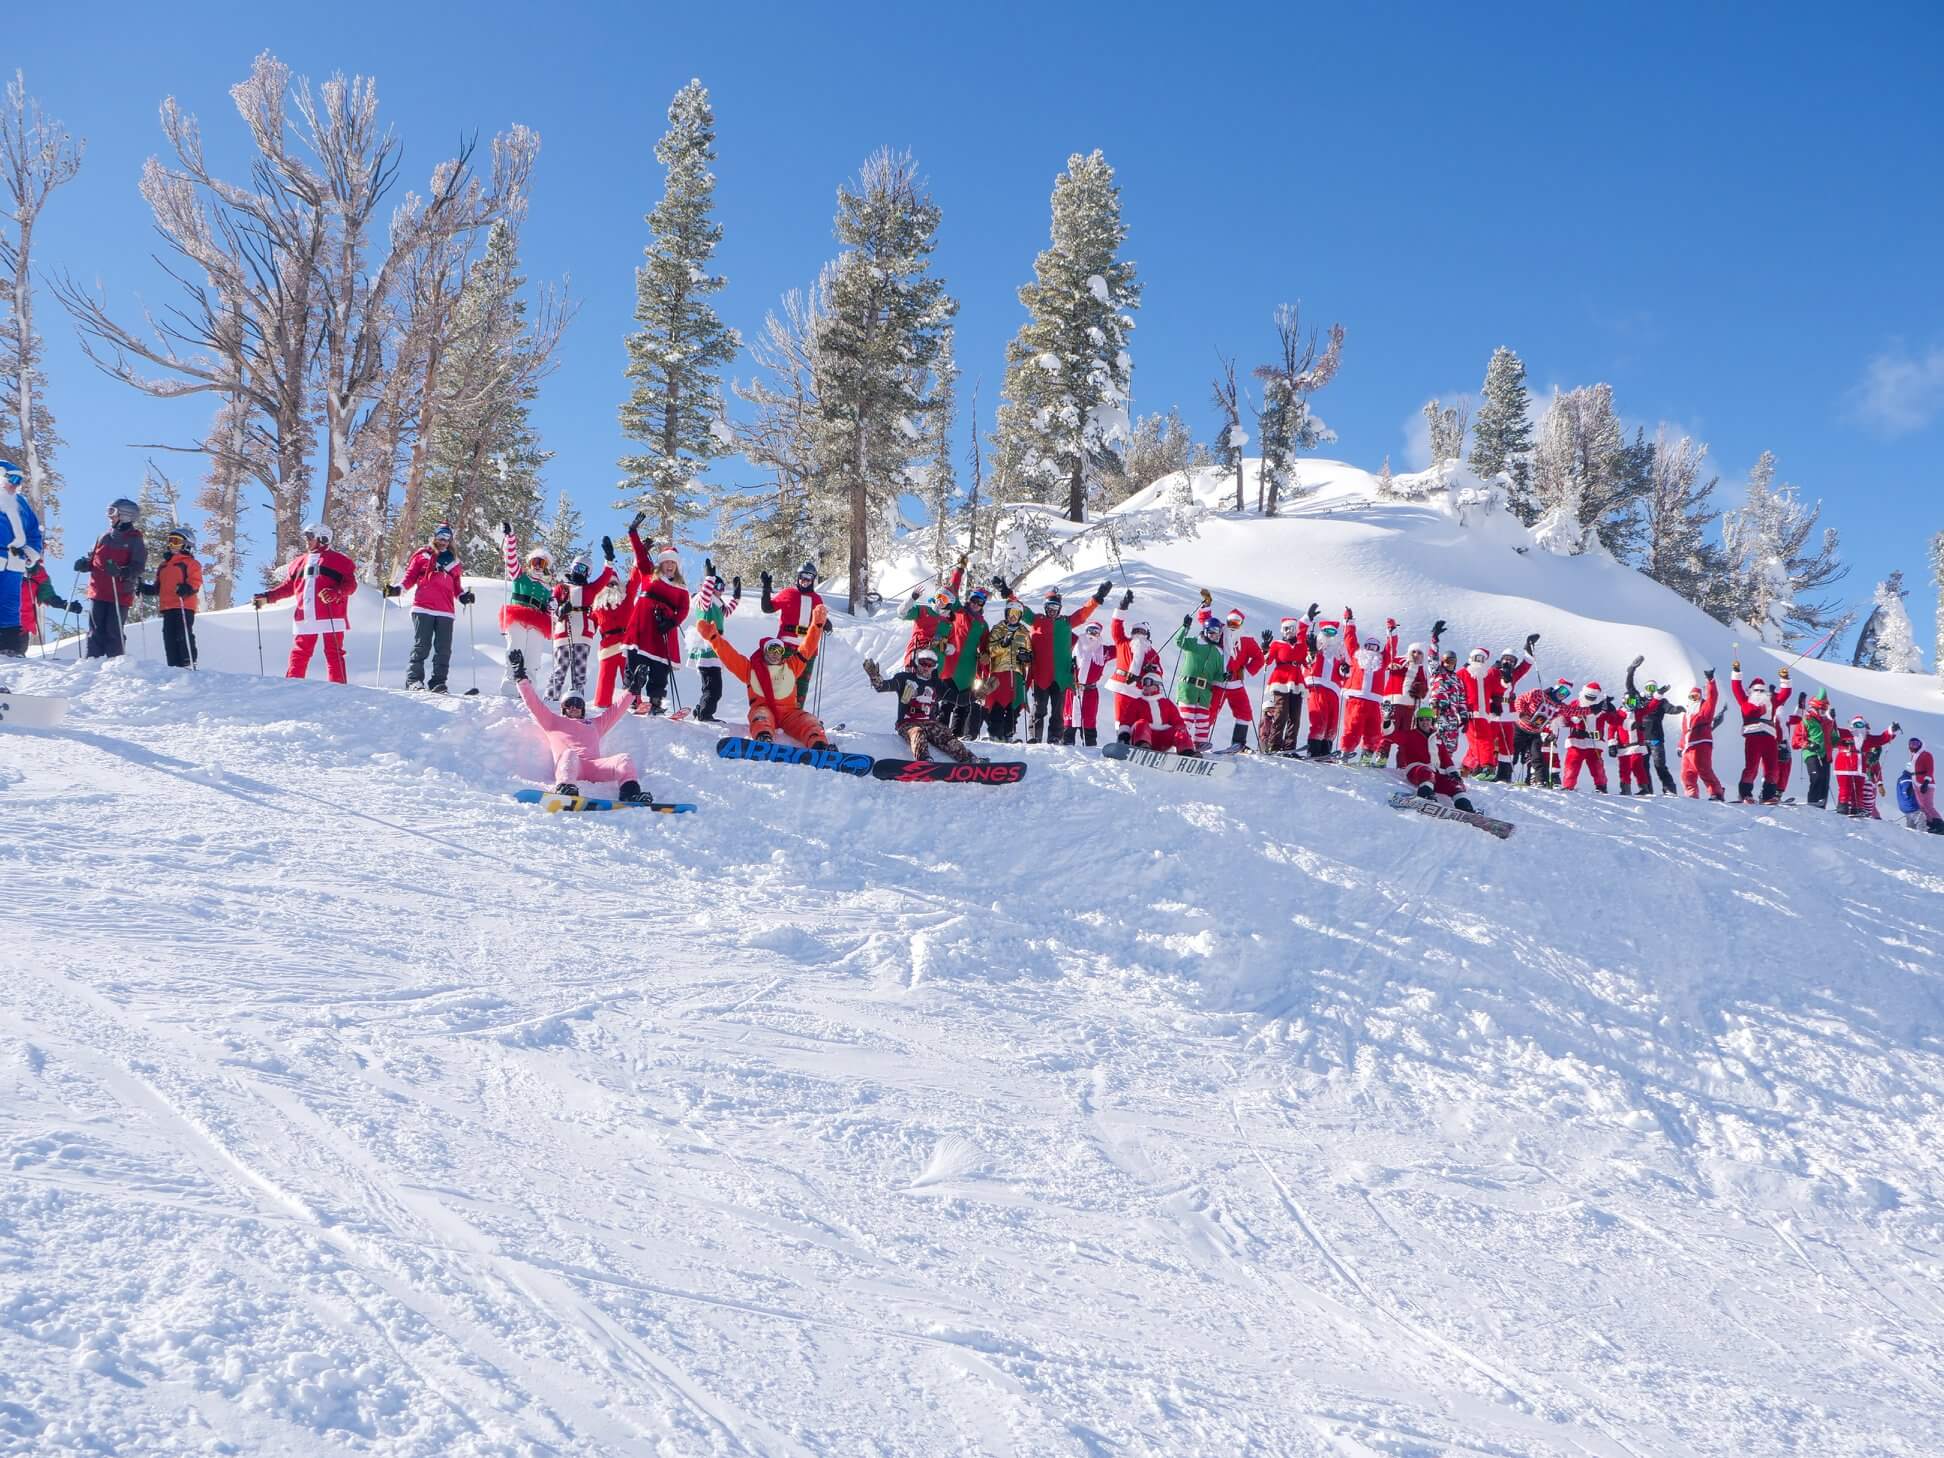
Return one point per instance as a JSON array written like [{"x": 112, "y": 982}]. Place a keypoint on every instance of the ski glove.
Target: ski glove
[
  {"x": 1312, "y": 612},
  {"x": 1348, "y": 616},
  {"x": 148, "y": 589},
  {"x": 1187, "y": 620},
  {"x": 1100, "y": 593},
  {"x": 1127, "y": 599},
  {"x": 768, "y": 582},
  {"x": 999, "y": 581},
  {"x": 506, "y": 529},
  {"x": 1267, "y": 638},
  {"x": 735, "y": 586},
  {"x": 1708, "y": 674},
  {"x": 85, "y": 564},
  {"x": 1639, "y": 658},
  {"x": 635, "y": 521},
  {"x": 607, "y": 548},
  {"x": 392, "y": 591},
  {"x": 1532, "y": 642},
  {"x": 1437, "y": 629},
  {"x": 466, "y": 597},
  {"x": 74, "y": 606},
  {"x": 663, "y": 622}
]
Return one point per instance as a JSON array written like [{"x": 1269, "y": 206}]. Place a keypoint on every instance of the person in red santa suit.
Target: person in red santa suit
[
  {"x": 1585, "y": 725},
  {"x": 1134, "y": 656},
  {"x": 1627, "y": 743},
  {"x": 1091, "y": 655},
  {"x": 1697, "y": 741},
  {"x": 1869, "y": 754},
  {"x": 1329, "y": 671},
  {"x": 1760, "y": 732},
  {"x": 1493, "y": 724},
  {"x": 320, "y": 581},
  {"x": 613, "y": 613},
  {"x": 1286, "y": 657},
  {"x": 1243, "y": 658},
  {"x": 1423, "y": 758},
  {"x": 661, "y": 604},
  {"x": 1363, "y": 693},
  {"x": 1161, "y": 727}
]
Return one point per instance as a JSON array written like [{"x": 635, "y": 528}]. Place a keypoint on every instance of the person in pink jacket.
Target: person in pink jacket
[
  {"x": 432, "y": 577},
  {"x": 575, "y": 739}
]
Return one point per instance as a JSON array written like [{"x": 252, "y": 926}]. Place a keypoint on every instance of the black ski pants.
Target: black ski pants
[
  {"x": 179, "y": 637},
  {"x": 431, "y": 636},
  {"x": 711, "y": 692},
  {"x": 1817, "y": 768},
  {"x": 105, "y": 639}
]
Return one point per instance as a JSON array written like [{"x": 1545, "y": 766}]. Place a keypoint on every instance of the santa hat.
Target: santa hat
[
  {"x": 1508, "y": 653},
  {"x": 1327, "y": 628},
  {"x": 1415, "y": 648},
  {"x": 1236, "y": 616},
  {"x": 1139, "y": 630},
  {"x": 1477, "y": 655},
  {"x": 668, "y": 557},
  {"x": 763, "y": 647},
  {"x": 1288, "y": 623},
  {"x": 1563, "y": 683},
  {"x": 1758, "y": 683},
  {"x": 1052, "y": 595}
]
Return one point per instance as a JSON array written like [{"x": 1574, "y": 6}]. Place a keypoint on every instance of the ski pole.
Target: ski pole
[
  {"x": 472, "y": 640},
  {"x": 75, "y": 596},
  {"x": 259, "y": 628},
  {"x": 384, "y": 614},
  {"x": 121, "y": 619}
]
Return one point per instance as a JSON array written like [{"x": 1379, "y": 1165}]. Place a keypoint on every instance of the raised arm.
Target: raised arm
[{"x": 725, "y": 650}]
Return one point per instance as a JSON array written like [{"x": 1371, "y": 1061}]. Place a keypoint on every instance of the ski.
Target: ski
[
  {"x": 30, "y": 711},
  {"x": 554, "y": 804},
  {"x": 765, "y": 751},
  {"x": 1207, "y": 769},
  {"x": 1403, "y": 799},
  {"x": 934, "y": 771}
]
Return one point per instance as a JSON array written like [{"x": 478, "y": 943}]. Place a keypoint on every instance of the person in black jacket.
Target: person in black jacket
[
  {"x": 1653, "y": 711},
  {"x": 921, "y": 700}
]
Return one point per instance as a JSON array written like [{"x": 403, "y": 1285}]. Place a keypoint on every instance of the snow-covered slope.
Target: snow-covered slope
[{"x": 349, "y": 1108}]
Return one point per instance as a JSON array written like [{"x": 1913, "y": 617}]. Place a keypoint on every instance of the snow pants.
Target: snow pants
[
  {"x": 1481, "y": 746},
  {"x": 570, "y": 663},
  {"x": 1758, "y": 756},
  {"x": 1441, "y": 782},
  {"x": 532, "y": 644},
  {"x": 1633, "y": 771},
  {"x": 1817, "y": 768},
  {"x": 1783, "y": 761},
  {"x": 711, "y": 692},
  {"x": 1849, "y": 793},
  {"x": 1282, "y": 718},
  {"x": 1236, "y": 701},
  {"x": 787, "y": 719},
  {"x": 105, "y": 619},
  {"x": 1083, "y": 707},
  {"x": 1530, "y": 748},
  {"x": 305, "y": 644},
  {"x": 1046, "y": 713},
  {"x": 1363, "y": 726},
  {"x": 661, "y": 673},
  {"x": 179, "y": 637},
  {"x": 613, "y": 660},
  {"x": 11, "y": 586},
  {"x": 923, "y": 738},
  {"x": 1164, "y": 740},
  {"x": 1200, "y": 719},
  {"x": 1508, "y": 745},
  {"x": 1870, "y": 798},
  {"x": 1325, "y": 704},
  {"x": 571, "y": 767},
  {"x": 1584, "y": 757},
  {"x": 431, "y": 638},
  {"x": 1657, "y": 750},
  {"x": 1697, "y": 769}
]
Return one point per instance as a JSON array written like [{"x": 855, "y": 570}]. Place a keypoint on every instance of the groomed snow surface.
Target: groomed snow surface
[{"x": 348, "y": 1107}]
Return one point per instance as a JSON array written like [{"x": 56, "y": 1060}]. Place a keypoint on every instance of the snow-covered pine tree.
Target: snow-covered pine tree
[
  {"x": 1284, "y": 421},
  {"x": 1386, "y": 483},
  {"x": 1581, "y": 461},
  {"x": 1158, "y": 446},
  {"x": 1771, "y": 569},
  {"x": 1068, "y": 371},
  {"x": 884, "y": 316},
  {"x": 782, "y": 436},
  {"x": 562, "y": 534},
  {"x": 1445, "y": 429},
  {"x": 484, "y": 457},
  {"x": 1675, "y": 550},
  {"x": 1502, "y": 431},
  {"x": 676, "y": 356},
  {"x": 939, "y": 487},
  {"x": 1889, "y": 635},
  {"x": 36, "y": 156}
]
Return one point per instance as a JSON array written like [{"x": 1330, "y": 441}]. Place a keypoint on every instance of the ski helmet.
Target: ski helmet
[
  {"x": 976, "y": 597},
  {"x": 442, "y": 533},
  {"x": 1139, "y": 630},
  {"x": 1151, "y": 679},
  {"x": 942, "y": 601},
  {"x": 1235, "y": 618},
  {"x": 1053, "y": 596},
  {"x": 317, "y": 531},
  {"x": 12, "y": 474},
  {"x": 1212, "y": 631},
  {"x": 187, "y": 537},
  {"x": 1857, "y": 721},
  {"x": 806, "y": 574},
  {"x": 539, "y": 556},
  {"x": 577, "y": 570},
  {"x": 1015, "y": 610},
  {"x": 1559, "y": 692},
  {"x": 121, "y": 509},
  {"x": 1590, "y": 695},
  {"x": 1916, "y": 744},
  {"x": 574, "y": 706},
  {"x": 1425, "y": 714},
  {"x": 926, "y": 656},
  {"x": 1633, "y": 701}
]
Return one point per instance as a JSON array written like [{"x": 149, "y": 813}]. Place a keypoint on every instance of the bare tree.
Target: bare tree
[
  {"x": 36, "y": 156},
  {"x": 1228, "y": 445}
]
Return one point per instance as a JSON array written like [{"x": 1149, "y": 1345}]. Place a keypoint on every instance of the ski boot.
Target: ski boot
[
  {"x": 1461, "y": 802},
  {"x": 571, "y": 791},
  {"x": 1093, "y": 738},
  {"x": 631, "y": 794}
]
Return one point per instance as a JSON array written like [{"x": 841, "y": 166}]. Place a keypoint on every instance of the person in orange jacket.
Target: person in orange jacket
[
  {"x": 772, "y": 678},
  {"x": 178, "y": 578}
]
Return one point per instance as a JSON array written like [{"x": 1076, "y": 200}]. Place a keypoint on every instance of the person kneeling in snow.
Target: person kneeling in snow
[
  {"x": 920, "y": 699},
  {"x": 772, "y": 678},
  {"x": 1917, "y": 790},
  {"x": 575, "y": 740},
  {"x": 1160, "y": 726},
  {"x": 1424, "y": 757}
]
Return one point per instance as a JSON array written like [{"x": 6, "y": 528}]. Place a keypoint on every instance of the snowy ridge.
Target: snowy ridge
[{"x": 349, "y": 1108}]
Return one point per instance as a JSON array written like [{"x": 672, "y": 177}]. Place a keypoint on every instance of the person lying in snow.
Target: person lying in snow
[{"x": 575, "y": 740}]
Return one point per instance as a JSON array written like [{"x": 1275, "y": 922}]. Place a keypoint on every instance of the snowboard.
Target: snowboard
[
  {"x": 1403, "y": 799},
  {"x": 1207, "y": 769},
  {"x": 933, "y": 771},
  {"x": 759, "y": 751},
  {"x": 30, "y": 711},
  {"x": 552, "y": 803}
]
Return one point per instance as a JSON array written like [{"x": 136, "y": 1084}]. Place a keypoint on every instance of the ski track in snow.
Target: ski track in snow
[{"x": 349, "y": 1108}]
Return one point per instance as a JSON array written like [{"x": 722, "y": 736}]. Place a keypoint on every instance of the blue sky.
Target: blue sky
[{"x": 1732, "y": 217}]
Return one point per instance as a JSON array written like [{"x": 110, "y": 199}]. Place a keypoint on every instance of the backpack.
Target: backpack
[{"x": 1907, "y": 793}]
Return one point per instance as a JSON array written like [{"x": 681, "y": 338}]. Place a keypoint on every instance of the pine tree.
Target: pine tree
[
  {"x": 1675, "y": 550},
  {"x": 939, "y": 489},
  {"x": 1771, "y": 569},
  {"x": 1158, "y": 446},
  {"x": 561, "y": 534},
  {"x": 676, "y": 357},
  {"x": 1502, "y": 433},
  {"x": 783, "y": 436},
  {"x": 1284, "y": 421},
  {"x": 1584, "y": 479},
  {"x": 1445, "y": 429},
  {"x": 1231, "y": 438},
  {"x": 1068, "y": 371},
  {"x": 885, "y": 315},
  {"x": 161, "y": 505},
  {"x": 1889, "y": 641}
]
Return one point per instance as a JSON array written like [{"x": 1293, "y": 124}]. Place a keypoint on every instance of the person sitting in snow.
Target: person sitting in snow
[
  {"x": 795, "y": 606},
  {"x": 575, "y": 740},
  {"x": 771, "y": 677},
  {"x": 1424, "y": 758},
  {"x": 1161, "y": 727},
  {"x": 1134, "y": 656},
  {"x": 920, "y": 700}
]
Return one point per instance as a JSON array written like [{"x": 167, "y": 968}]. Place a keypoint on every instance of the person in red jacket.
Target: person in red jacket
[
  {"x": 114, "y": 567},
  {"x": 1759, "y": 732},
  {"x": 1697, "y": 742},
  {"x": 1243, "y": 658},
  {"x": 1586, "y": 726},
  {"x": 1869, "y": 752},
  {"x": 613, "y": 618},
  {"x": 1627, "y": 742},
  {"x": 1423, "y": 757},
  {"x": 575, "y": 631},
  {"x": 1134, "y": 658},
  {"x": 1922, "y": 775},
  {"x": 1330, "y": 645},
  {"x": 1091, "y": 655},
  {"x": 1287, "y": 659},
  {"x": 661, "y": 606},
  {"x": 794, "y": 607},
  {"x": 1363, "y": 715},
  {"x": 1160, "y": 726},
  {"x": 1493, "y": 726},
  {"x": 1846, "y": 769},
  {"x": 36, "y": 592},
  {"x": 320, "y": 581},
  {"x": 438, "y": 591}
]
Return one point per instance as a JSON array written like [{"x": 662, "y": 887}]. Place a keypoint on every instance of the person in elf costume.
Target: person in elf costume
[
  {"x": 526, "y": 617},
  {"x": 1051, "y": 673},
  {"x": 1200, "y": 671},
  {"x": 715, "y": 602}
]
